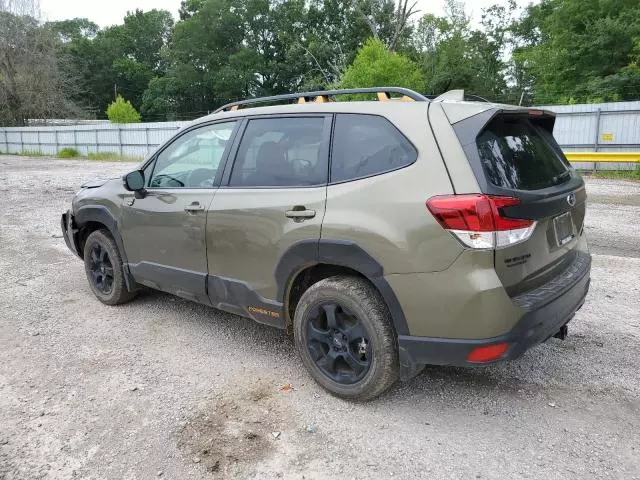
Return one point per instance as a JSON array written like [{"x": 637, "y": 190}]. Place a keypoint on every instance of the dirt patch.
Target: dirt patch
[{"x": 234, "y": 431}]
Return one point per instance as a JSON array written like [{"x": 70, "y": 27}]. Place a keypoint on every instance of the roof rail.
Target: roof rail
[{"x": 322, "y": 96}]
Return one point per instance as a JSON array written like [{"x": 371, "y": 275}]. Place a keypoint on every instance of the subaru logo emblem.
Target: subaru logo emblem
[{"x": 571, "y": 199}]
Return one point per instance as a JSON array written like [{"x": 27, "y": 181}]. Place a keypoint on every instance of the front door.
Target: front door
[
  {"x": 273, "y": 197},
  {"x": 164, "y": 232}
]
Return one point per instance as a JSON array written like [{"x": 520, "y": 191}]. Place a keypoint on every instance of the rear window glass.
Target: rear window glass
[
  {"x": 365, "y": 145},
  {"x": 517, "y": 154}
]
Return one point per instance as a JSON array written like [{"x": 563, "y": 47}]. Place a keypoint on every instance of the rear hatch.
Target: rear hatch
[{"x": 513, "y": 154}]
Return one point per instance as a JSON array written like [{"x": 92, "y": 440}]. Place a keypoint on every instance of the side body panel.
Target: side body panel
[
  {"x": 165, "y": 244},
  {"x": 465, "y": 301},
  {"x": 247, "y": 234},
  {"x": 386, "y": 214}
]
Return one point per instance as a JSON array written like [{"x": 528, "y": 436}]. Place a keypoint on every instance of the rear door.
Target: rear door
[
  {"x": 272, "y": 196},
  {"x": 514, "y": 154}
]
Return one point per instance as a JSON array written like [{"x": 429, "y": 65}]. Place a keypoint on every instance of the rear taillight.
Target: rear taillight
[{"x": 477, "y": 220}]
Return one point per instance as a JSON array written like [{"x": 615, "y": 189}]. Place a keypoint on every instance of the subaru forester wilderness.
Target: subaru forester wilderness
[{"x": 385, "y": 235}]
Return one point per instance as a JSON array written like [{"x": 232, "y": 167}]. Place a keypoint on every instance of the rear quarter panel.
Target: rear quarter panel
[{"x": 386, "y": 214}]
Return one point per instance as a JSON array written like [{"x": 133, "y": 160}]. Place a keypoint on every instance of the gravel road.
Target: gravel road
[{"x": 164, "y": 388}]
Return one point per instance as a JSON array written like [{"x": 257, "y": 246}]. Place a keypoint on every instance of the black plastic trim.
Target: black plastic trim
[
  {"x": 178, "y": 281},
  {"x": 69, "y": 232},
  {"x": 100, "y": 214},
  {"x": 238, "y": 297},
  {"x": 341, "y": 253}
]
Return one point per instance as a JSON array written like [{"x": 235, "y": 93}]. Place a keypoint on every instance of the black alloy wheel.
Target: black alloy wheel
[
  {"x": 338, "y": 343},
  {"x": 101, "y": 269}
]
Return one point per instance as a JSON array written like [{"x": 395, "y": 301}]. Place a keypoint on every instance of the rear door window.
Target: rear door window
[
  {"x": 517, "y": 154},
  {"x": 366, "y": 145},
  {"x": 282, "y": 152}
]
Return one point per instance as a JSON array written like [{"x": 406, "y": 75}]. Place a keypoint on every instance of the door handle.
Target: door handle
[
  {"x": 300, "y": 213},
  {"x": 194, "y": 208}
]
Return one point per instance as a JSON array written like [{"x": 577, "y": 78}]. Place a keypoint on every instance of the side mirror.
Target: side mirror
[{"x": 134, "y": 181}]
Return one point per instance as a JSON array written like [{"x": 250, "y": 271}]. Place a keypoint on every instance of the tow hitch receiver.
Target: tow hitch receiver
[{"x": 562, "y": 333}]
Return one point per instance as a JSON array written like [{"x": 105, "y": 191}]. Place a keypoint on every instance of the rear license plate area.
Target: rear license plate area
[{"x": 563, "y": 227}]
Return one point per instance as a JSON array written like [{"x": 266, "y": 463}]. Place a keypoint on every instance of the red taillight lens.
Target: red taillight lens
[
  {"x": 477, "y": 220},
  {"x": 487, "y": 353},
  {"x": 475, "y": 212}
]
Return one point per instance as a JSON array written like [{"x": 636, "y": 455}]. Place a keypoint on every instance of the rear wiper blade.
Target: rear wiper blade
[{"x": 558, "y": 178}]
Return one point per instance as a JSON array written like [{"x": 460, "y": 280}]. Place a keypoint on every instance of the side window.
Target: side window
[
  {"x": 365, "y": 145},
  {"x": 281, "y": 152},
  {"x": 192, "y": 160}
]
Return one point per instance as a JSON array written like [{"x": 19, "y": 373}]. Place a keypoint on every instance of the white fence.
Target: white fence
[
  {"x": 598, "y": 127},
  {"x": 605, "y": 127},
  {"x": 132, "y": 140}
]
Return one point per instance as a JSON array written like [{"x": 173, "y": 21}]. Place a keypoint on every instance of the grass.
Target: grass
[
  {"x": 72, "y": 153},
  {"x": 614, "y": 174},
  {"x": 112, "y": 157},
  {"x": 26, "y": 153},
  {"x": 68, "y": 153}
]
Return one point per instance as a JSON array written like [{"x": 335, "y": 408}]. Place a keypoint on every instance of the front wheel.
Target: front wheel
[
  {"x": 344, "y": 334},
  {"x": 103, "y": 266}
]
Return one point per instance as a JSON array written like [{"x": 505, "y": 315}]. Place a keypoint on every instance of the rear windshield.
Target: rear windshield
[{"x": 517, "y": 154}]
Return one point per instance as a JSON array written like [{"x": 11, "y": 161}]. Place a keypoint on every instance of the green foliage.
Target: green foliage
[
  {"x": 121, "y": 111},
  {"x": 111, "y": 157},
  {"x": 376, "y": 66},
  {"x": 68, "y": 152},
  {"x": 618, "y": 174},
  {"x": 587, "y": 50},
  {"x": 553, "y": 51}
]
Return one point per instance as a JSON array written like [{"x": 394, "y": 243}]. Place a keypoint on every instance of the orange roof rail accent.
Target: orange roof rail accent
[
  {"x": 383, "y": 96},
  {"x": 234, "y": 108},
  {"x": 406, "y": 99},
  {"x": 322, "y": 99},
  {"x": 302, "y": 100}
]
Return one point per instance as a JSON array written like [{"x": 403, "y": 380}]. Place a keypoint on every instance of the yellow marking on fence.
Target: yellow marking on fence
[{"x": 604, "y": 157}]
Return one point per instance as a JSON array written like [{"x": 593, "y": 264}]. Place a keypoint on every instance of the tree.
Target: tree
[
  {"x": 388, "y": 22},
  {"x": 118, "y": 59},
  {"x": 454, "y": 56},
  {"x": 376, "y": 66},
  {"x": 121, "y": 111},
  {"x": 33, "y": 78},
  {"x": 579, "y": 50}
]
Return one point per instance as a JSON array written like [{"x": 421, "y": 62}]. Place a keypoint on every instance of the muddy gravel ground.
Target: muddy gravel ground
[{"x": 165, "y": 388}]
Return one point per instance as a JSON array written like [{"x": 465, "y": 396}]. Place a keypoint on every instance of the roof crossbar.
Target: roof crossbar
[{"x": 323, "y": 96}]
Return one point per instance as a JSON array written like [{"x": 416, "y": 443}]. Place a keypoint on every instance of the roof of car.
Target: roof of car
[{"x": 455, "y": 103}]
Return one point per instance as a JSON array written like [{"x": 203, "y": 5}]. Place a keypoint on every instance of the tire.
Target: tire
[
  {"x": 103, "y": 266},
  {"x": 364, "y": 337}
]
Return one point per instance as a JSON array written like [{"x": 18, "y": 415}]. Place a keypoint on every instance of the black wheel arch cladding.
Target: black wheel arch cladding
[
  {"x": 100, "y": 214},
  {"x": 308, "y": 253}
]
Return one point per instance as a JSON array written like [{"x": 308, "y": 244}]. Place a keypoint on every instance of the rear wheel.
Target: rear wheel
[
  {"x": 103, "y": 266},
  {"x": 343, "y": 332}
]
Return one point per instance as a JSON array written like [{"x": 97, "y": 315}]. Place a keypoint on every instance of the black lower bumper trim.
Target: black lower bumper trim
[
  {"x": 69, "y": 231},
  {"x": 536, "y": 326}
]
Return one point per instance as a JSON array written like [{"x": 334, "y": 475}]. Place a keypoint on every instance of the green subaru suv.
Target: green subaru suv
[{"x": 385, "y": 234}]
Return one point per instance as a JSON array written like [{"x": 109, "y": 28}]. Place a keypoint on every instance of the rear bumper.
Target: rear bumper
[
  {"x": 547, "y": 309},
  {"x": 69, "y": 231}
]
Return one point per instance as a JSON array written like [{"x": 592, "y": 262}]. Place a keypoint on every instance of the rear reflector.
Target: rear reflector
[
  {"x": 477, "y": 220},
  {"x": 487, "y": 353}
]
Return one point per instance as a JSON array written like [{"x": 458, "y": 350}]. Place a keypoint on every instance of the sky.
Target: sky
[{"x": 111, "y": 12}]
